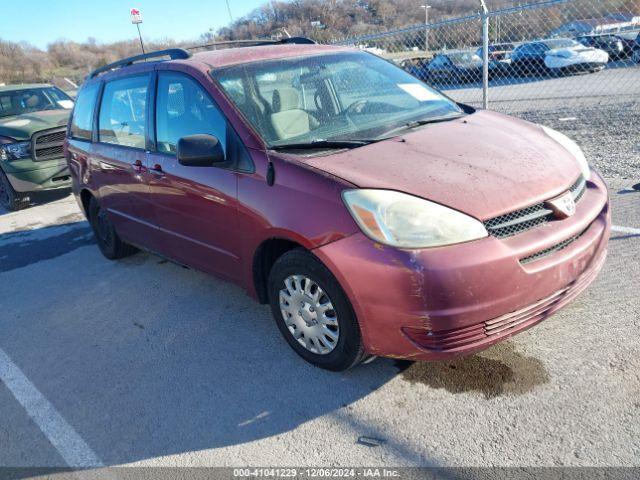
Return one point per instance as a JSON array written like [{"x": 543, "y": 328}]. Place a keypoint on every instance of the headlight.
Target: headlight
[
  {"x": 572, "y": 147},
  {"x": 15, "y": 151},
  {"x": 405, "y": 221}
]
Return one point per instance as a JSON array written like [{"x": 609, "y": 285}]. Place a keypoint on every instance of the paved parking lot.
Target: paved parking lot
[{"x": 144, "y": 362}]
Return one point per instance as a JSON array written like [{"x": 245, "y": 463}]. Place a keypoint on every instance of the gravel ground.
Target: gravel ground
[
  {"x": 600, "y": 111},
  {"x": 153, "y": 364},
  {"x": 609, "y": 134}
]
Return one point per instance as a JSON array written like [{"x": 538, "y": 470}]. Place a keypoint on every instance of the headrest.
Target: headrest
[
  {"x": 33, "y": 101},
  {"x": 285, "y": 99}
]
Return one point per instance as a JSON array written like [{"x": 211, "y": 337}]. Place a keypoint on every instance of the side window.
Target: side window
[
  {"x": 184, "y": 108},
  {"x": 439, "y": 61},
  {"x": 123, "y": 112},
  {"x": 82, "y": 121},
  {"x": 521, "y": 51}
]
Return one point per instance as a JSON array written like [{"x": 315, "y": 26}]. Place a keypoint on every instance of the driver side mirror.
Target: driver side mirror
[{"x": 200, "y": 151}]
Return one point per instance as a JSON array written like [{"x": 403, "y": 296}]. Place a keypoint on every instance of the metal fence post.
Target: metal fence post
[{"x": 485, "y": 54}]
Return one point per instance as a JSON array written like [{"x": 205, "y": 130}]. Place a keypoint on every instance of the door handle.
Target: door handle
[
  {"x": 138, "y": 166},
  {"x": 157, "y": 171}
]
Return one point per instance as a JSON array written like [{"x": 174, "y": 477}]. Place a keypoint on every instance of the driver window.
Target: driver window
[{"x": 184, "y": 108}]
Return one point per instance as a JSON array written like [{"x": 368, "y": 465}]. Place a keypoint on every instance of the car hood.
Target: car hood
[
  {"x": 21, "y": 127},
  {"x": 484, "y": 164}
]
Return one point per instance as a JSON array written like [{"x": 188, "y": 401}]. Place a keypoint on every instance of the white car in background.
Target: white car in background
[{"x": 567, "y": 55}]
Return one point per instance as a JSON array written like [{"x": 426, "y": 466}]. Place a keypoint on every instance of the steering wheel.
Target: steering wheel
[
  {"x": 356, "y": 107},
  {"x": 353, "y": 110}
]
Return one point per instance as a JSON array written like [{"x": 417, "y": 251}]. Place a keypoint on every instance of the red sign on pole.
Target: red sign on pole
[{"x": 136, "y": 16}]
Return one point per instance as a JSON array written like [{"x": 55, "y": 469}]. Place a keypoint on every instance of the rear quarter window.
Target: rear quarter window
[{"x": 81, "y": 124}]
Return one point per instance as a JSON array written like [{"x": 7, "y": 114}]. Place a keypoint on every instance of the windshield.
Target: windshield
[
  {"x": 463, "y": 57},
  {"x": 561, "y": 43},
  {"x": 18, "y": 102},
  {"x": 330, "y": 97}
]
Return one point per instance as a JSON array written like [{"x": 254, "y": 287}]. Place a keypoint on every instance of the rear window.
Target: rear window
[
  {"x": 123, "y": 111},
  {"x": 82, "y": 120}
]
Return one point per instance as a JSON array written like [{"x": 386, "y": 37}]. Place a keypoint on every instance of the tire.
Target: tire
[
  {"x": 9, "y": 198},
  {"x": 110, "y": 244},
  {"x": 344, "y": 352},
  {"x": 636, "y": 56},
  {"x": 557, "y": 73}
]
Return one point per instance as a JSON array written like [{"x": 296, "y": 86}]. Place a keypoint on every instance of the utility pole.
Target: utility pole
[
  {"x": 426, "y": 27},
  {"x": 212, "y": 36}
]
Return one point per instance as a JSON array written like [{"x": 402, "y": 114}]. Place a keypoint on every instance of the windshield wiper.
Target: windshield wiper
[
  {"x": 416, "y": 123},
  {"x": 317, "y": 144}
]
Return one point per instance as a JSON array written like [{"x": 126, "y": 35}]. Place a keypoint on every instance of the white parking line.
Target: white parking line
[
  {"x": 632, "y": 231},
  {"x": 62, "y": 436}
]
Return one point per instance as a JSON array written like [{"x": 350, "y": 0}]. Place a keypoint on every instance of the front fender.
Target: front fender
[{"x": 303, "y": 206}]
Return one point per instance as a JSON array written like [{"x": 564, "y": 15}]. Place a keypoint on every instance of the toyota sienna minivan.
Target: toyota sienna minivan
[{"x": 375, "y": 215}]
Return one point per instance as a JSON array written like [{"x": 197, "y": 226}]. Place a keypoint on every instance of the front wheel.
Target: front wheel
[
  {"x": 9, "y": 198},
  {"x": 110, "y": 244},
  {"x": 636, "y": 56},
  {"x": 313, "y": 313}
]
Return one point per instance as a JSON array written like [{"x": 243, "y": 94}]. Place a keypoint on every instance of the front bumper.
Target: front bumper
[
  {"x": 576, "y": 65},
  {"x": 29, "y": 176},
  {"x": 443, "y": 302}
]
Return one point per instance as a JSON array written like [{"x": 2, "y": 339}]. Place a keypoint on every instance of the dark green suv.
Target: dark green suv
[{"x": 33, "y": 121}]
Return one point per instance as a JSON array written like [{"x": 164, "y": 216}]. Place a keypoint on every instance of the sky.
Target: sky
[{"x": 42, "y": 21}]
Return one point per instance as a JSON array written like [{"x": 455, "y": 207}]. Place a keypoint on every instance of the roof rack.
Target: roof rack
[
  {"x": 256, "y": 42},
  {"x": 172, "y": 53}
]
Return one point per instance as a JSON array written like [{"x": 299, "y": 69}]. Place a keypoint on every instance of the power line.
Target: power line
[{"x": 229, "y": 10}]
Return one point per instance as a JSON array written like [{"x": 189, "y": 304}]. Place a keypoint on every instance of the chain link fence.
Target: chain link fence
[{"x": 570, "y": 64}]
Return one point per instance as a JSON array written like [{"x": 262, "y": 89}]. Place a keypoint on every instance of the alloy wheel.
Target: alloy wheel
[{"x": 309, "y": 314}]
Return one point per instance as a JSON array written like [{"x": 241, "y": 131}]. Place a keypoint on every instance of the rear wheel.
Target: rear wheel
[
  {"x": 110, "y": 244},
  {"x": 313, "y": 313},
  {"x": 9, "y": 198}
]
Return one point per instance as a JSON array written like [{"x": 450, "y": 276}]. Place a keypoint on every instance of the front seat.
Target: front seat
[
  {"x": 288, "y": 119},
  {"x": 33, "y": 101}
]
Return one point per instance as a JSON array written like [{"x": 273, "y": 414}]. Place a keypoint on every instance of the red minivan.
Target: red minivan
[{"x": 376, "y": 216}]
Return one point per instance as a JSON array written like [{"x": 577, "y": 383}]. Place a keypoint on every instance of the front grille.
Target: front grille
[
  {"x": 530, "y": 217},
  {"x": 548, "y": 251},
  {"x": 48, "y": 144}
]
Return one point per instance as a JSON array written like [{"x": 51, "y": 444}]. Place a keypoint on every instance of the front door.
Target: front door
[{"x": 196, "y": 206}]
